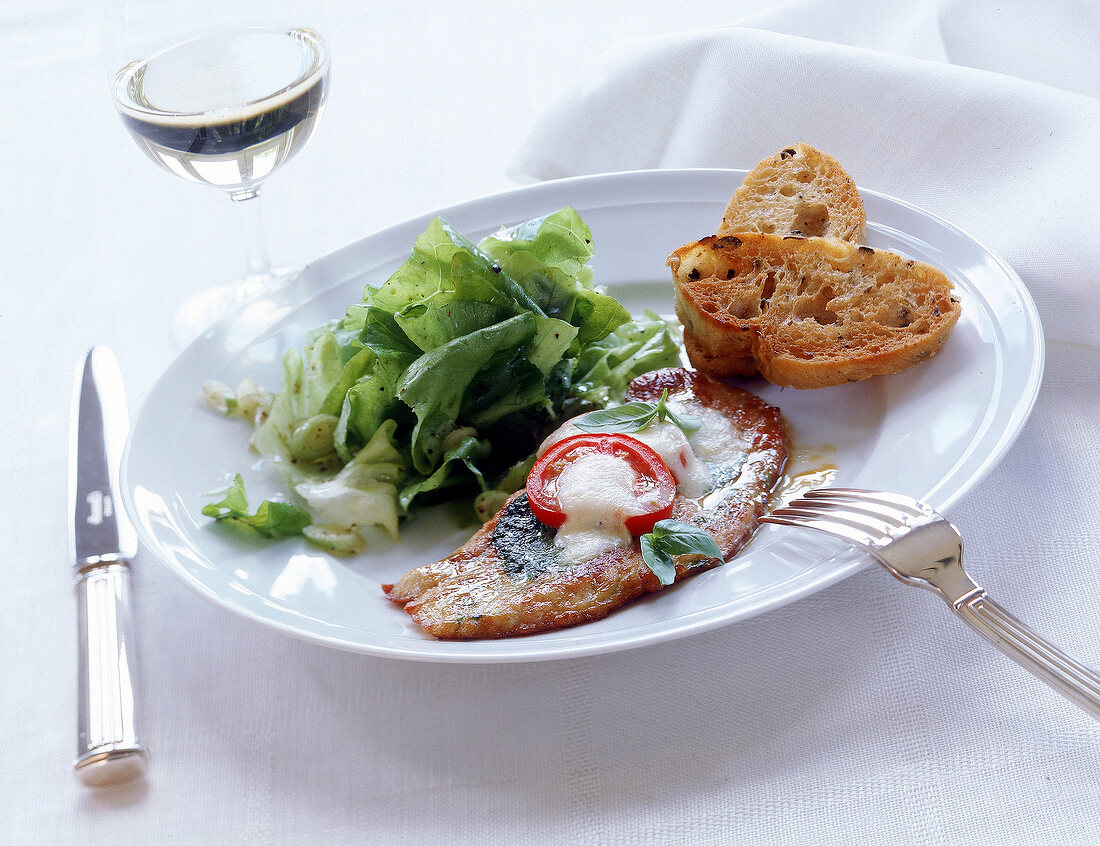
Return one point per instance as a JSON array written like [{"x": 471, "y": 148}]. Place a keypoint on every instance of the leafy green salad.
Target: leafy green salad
[{"x": 441, "y": 383}]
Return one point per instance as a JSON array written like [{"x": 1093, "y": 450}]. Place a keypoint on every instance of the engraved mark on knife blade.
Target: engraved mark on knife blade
[{"x": 100, "y": 507}]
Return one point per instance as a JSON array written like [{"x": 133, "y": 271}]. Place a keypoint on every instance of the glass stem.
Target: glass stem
[{"x": 258, "y": 267}]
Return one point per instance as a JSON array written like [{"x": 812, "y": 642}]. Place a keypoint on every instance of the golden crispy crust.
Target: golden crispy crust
[
  {"x": 811, "y": 312},
  {"x": 488, "y": 589},
  {"x": 719, "y": 332},
  {"x": 799, "y": 190}
]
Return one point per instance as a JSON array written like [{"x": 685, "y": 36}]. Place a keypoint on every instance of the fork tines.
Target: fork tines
[{"x": 862, "y": 516}]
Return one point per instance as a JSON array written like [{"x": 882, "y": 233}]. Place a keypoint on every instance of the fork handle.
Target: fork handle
[{"x": 1023, "y": 645}]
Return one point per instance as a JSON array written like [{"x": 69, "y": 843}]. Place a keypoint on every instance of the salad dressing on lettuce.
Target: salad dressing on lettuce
[{"x": 441, "y": 383}]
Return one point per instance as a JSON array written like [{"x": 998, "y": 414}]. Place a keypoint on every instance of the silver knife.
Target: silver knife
[{"x": 103, "y": 541}]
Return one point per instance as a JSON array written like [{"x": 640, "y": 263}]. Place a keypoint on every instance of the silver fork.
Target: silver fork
[{"x": 920, "y": 547}]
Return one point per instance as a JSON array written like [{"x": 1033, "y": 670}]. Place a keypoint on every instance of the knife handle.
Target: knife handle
[{"x": 108, "y": 751}]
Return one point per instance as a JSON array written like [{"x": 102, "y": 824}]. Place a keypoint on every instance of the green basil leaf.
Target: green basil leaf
[
  {"x": 635, "y": 416},
  {"x": 686, "y": 422},
  {"x": 679, "y": 538},
  {"x": 673, "y": 537},
  {"x": 662, "y": 565},
  {"x": 630, "y": 417}
]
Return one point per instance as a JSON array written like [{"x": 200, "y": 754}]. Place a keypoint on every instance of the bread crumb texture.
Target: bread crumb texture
[
  {"x": 800, "y": 190},
  {"x": 786, "y": 290},
  {"x": 807, "y": 312}
]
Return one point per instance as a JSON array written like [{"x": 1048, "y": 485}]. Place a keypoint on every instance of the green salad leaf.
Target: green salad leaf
[
  {"x": 272, "y": 519},
  {"x": 443, "y": 380},
  {"x": 604, "y": 367},
  {"x": 435, "y": 384},
  {"x": 364, "y": 491}
]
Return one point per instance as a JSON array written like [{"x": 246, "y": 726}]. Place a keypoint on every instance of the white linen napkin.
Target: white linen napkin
[{"x": 980, "y": 112}]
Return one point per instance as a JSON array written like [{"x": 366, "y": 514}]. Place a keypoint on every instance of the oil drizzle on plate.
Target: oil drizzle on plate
[{"x": 807, "y": 468}]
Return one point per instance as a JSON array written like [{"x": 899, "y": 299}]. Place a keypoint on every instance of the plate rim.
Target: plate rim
[{"x": 824, "y": 573}]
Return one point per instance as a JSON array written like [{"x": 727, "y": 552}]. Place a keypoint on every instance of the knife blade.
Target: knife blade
[{"x": 102, "y": 542}]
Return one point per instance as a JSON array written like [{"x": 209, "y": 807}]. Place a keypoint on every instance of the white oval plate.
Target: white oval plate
[{"x": 932, "y": 432}]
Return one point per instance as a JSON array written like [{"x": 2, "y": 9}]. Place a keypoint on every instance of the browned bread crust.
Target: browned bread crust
[
  {"x": 807, "y": 312},
  {"x": 800, "y": 190}
]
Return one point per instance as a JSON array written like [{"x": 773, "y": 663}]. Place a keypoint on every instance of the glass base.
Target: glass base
[{"x": 239, "y": 311}]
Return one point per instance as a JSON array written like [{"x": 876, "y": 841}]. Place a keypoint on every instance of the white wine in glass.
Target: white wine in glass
[{"x": 226, "y": 109}]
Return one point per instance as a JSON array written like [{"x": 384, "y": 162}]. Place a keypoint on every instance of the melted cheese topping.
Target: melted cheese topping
[
  {"x": 596, "y": 494},
  {"x": 712, "y": 440},
  {"x": 693, "y": 477},
  {"x": 668, "y": 441}
]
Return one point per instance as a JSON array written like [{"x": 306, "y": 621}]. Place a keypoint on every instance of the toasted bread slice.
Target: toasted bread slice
[
  {"x": 724, "y": 346},
  {"x": 800, "y": 190},
  {"x": 809, "y": 312}
]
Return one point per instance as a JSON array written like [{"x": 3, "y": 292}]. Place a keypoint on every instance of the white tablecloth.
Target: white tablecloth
[{"x": 864, "y": 713}]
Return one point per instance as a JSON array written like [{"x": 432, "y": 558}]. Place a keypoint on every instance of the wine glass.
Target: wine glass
[{"x": 221, "y": 96}]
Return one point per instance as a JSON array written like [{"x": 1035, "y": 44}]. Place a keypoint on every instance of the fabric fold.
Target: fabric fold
[{"x": 1003, "y": 157}]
